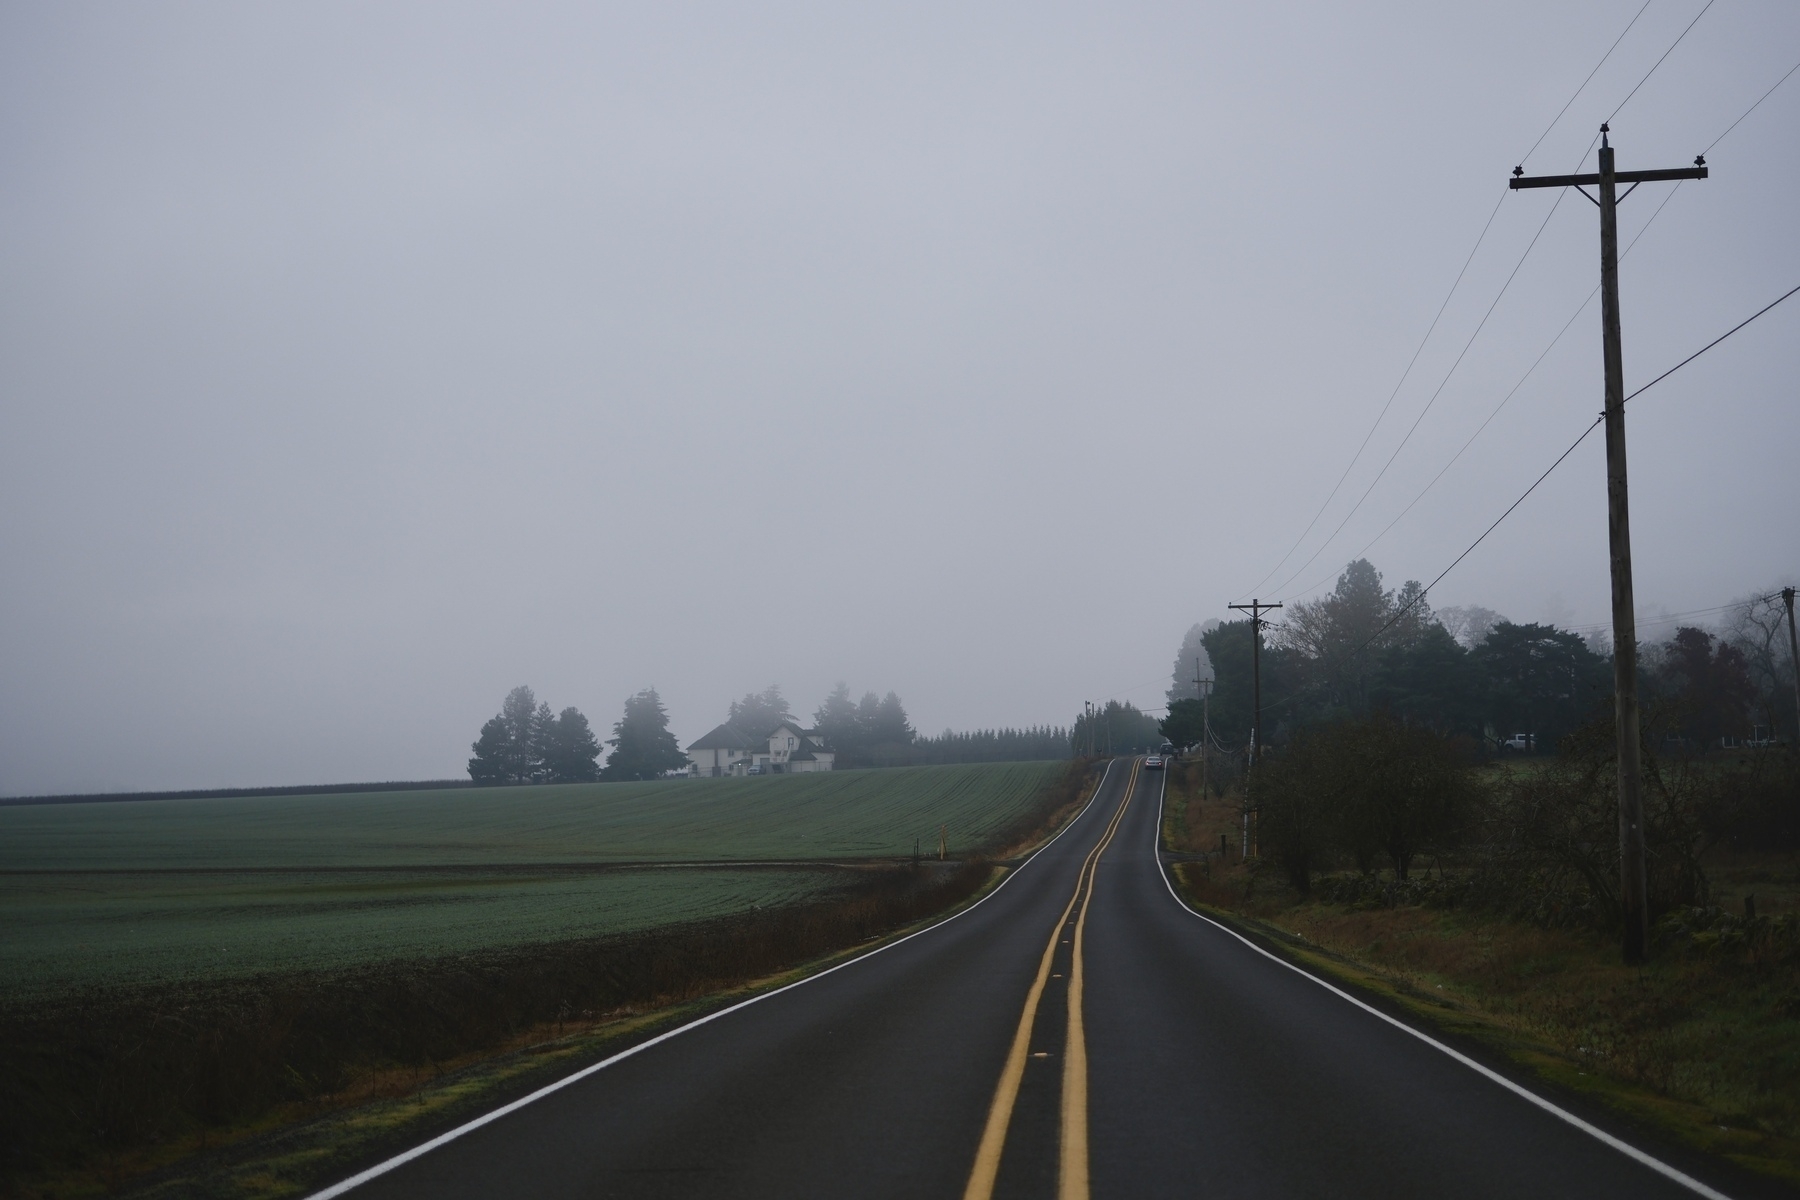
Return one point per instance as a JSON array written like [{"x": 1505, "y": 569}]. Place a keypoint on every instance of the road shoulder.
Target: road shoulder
[{"x": 1738, "y": 1161}]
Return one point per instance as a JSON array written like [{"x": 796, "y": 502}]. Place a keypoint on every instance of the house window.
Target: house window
[{"x": 790, "y": 743}]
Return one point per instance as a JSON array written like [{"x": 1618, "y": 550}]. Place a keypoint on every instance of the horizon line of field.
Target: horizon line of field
[
  {"x": 372, "y": 787},
  {"x": 836, "y": 863}
]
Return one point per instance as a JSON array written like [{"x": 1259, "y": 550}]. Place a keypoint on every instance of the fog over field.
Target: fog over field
[{"x": 361, "y": 362}]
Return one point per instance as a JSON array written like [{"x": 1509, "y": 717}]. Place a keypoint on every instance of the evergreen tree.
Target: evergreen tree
[
  {"x": 890, "y": 726},
  {"x": 836, "y": 721},
  {"x": 570, "y": 750},
  {"x": 526, "y": 743},
  {"x": 1542, "y": 680},
  {"x": 1709, "y": 688},
  {"x": 510, "y": 748},
  {"x": 537, "y": 740},
  {"x": 1338, "y": 636},
  {"x": 1186, "y": 723},
  {"x": 492, "y": 752},
  {"x": 1191, "y": 658},
  {"x": 1286, "y": 698},
  {"x": 866, "y": 711},
  {"x": 758, "y": 713},
  {"x": 1431, "y": 681},
  {"x": 643, "y": 747}
]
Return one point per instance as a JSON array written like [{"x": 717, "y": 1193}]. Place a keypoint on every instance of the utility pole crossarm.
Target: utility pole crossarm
[{"x": 1544, "y": 181}]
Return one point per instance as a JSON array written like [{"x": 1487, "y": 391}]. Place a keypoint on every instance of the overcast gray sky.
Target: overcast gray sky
[{"x": 359, "y": 362}]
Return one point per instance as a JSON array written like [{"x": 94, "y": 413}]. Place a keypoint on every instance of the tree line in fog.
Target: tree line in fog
[
  {"x": 1469, "y": 672},
  {"x": 527, "y": 742}
]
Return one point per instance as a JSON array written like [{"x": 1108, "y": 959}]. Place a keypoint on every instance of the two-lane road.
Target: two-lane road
[{"x": 984, "y": 1057}]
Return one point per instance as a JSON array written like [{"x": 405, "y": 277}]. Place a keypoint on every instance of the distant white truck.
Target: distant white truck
[{"x": 1523, "y": 742}]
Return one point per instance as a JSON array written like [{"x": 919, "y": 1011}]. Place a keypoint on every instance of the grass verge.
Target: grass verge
[{"x": 1702, "y": 1045}]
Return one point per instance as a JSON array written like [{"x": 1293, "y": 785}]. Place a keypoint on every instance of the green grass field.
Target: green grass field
[
  {"x": 70, "y": 931},
  {"x": 838, "y": 814},
  {"x": 217, "y": 888}
]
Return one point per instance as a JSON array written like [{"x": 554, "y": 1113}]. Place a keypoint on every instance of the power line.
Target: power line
[
  {"x": 1480, "y": 238},
  {"x": 1565, "y": 454},
  {"x": 1442, "y": 383},
  {"x": 1752, "y": 108},
  {"x": 1453, "y": 367},
  {"x": 1702, "y": 350},
  {"x": 1668, "y": 617},
  {"x": 1567, "y": 325},
  {"x": 1585, "y": 82},
  {"x": 1379, "y": 417},
  {"x": 1400, "y": 613},
  {"x": 1658, "y": 63},
  {"x": 1553, "y": 342}
]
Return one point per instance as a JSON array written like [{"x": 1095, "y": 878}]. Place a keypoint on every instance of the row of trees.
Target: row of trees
[
  {"x": 1374, "y": 707},
  {"x": 994, "y": 745},
  {"x": 1543, "y": 845},
  {"x": 858, "y": 732},
  {"x": 875, "y": 731},
  {"x": 1366, "y": 649},
  {"x": 978, "y": 745},
  {"x": 526, "y": 743},
  {"x": 1114, "y": 728}
]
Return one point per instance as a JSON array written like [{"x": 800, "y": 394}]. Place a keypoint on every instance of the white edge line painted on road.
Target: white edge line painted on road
[
  {"x": 424, "y": 1148},
  {"x": 1593, "y": 1131}
]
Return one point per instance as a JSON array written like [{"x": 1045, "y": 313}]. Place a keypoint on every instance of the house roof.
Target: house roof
[
  {"x": 733, "y": 737},
  {"x": 725, "y": 737}
]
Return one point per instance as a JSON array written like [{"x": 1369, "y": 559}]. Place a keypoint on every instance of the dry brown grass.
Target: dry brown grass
[{"x": 1704, "y": 1041}]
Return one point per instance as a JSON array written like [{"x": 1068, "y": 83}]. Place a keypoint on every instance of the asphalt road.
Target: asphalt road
[{"x": 952, "y": 1064}]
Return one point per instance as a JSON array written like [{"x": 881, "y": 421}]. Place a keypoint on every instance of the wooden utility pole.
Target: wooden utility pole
[
  {"x": 1204, "y": 687},
  {"x": 1787, "y": 598},
  {"x": 1256, "y": 608},
  {"x": 1633, "y": 886}
]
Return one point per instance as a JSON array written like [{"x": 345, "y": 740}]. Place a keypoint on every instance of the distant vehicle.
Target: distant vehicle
[
  {"x": 1519, "y": 741},
  {"x": 756, "y": 769},
  {"x": 1153, "y": 762}
]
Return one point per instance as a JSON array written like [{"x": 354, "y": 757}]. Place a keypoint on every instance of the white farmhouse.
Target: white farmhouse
[{"x": 785, "y": 750}]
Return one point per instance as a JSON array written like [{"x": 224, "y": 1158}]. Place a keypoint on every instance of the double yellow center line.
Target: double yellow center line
[{"x": 1073, "y": 1168}]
